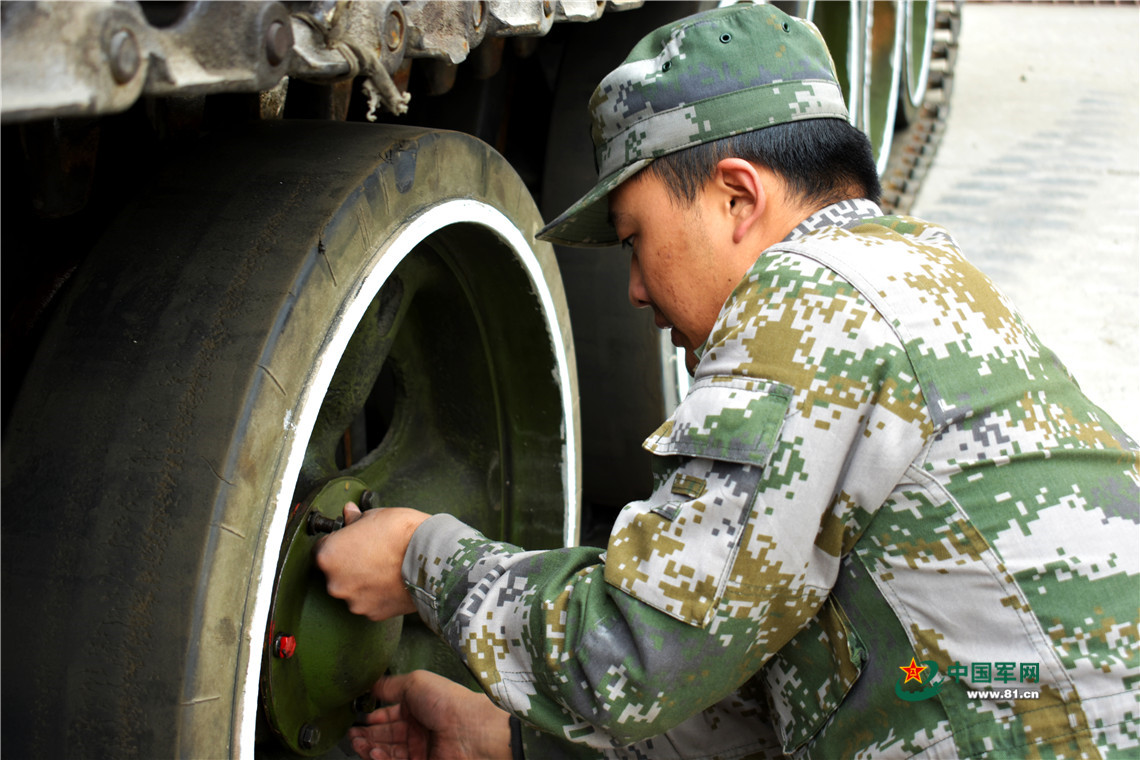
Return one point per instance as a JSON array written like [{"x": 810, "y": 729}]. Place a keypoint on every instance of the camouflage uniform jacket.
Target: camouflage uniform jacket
[{"x": 881, "y": 496}]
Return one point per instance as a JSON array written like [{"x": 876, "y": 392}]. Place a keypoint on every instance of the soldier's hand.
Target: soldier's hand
[
  {"x": 361, "y": 561},
  {"x": 432, "y": 718}
]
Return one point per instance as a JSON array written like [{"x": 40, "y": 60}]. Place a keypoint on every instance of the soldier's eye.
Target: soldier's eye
[{"x": 627, "y": 243}]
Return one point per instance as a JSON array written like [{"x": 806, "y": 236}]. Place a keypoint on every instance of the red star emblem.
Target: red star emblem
[{"x": 913, "y": 671}]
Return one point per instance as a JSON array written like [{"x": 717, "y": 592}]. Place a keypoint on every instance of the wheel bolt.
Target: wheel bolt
[
  {"x": 278, "y": 42},
  {"x": 124, "y": 56},
  {"x": 394, "y": 30},
  {"x": 318, "y": 523},
  {"x": 309, "y": 736},
  {"x": 365, "y": 703},
  {"x": 284, "y": 646}
]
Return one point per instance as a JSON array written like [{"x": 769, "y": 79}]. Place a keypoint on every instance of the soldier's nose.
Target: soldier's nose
[{"x": 638, "y": 295}]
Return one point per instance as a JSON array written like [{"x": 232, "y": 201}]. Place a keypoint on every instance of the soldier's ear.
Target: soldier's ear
[{"x": 741, "y": 193}]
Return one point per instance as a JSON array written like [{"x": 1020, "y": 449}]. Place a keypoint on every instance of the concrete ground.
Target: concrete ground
[{"x": 1038, "y": 177}]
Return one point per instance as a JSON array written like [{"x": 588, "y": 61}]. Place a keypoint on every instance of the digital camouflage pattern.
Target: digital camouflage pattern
[
  {"x": 877, "y": 461},
  {"x": 712, "y": 75}
]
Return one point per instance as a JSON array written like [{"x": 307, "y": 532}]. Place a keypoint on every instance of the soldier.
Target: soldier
[{"x": 885, "y": 522}]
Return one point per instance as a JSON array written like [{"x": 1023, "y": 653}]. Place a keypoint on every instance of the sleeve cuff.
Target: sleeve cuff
[{"x": 428, "y": 561}]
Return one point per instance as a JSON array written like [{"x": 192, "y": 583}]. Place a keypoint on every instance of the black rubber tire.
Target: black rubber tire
[{"x": 153, "y": 429}]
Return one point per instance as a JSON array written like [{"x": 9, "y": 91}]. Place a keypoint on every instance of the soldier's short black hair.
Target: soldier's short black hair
[{"x": 822, "y": 160}]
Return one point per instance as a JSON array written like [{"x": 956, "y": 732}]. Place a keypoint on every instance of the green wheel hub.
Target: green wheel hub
[{"x": 320, "y": 660}]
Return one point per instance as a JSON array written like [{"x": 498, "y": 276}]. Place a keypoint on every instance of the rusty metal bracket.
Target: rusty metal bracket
[{"x": 100, "y": 57}]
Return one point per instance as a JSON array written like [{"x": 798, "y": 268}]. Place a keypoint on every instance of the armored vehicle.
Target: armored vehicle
[{"x": 261, "y": 258}]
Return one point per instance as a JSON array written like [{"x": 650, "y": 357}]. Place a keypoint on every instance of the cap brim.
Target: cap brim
[{"x": 586, "y": 224}]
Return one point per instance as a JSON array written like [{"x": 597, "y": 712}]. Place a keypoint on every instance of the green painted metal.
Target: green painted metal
[
  {"x": 885, "y": 32},
  {"x": 310, "y": 696}
]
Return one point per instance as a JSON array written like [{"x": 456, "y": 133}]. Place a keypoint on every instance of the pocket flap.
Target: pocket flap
[{"x": 732, "y": 419}]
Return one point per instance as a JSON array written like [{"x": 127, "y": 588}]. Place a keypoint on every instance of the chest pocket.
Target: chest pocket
[{"x": 673, "y": 551}]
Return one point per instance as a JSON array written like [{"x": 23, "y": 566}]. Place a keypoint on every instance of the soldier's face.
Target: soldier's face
[{"x": 675, "y": 266}]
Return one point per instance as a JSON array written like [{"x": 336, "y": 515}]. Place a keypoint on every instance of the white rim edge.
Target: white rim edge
[
  {"x": 384, "y": 261},
  {"x": 916, "y": 91}
]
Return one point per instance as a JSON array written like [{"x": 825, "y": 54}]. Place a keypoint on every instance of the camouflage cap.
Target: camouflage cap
[{"x": 716, "y": 74}]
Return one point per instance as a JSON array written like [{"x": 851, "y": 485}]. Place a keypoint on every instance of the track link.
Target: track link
[{"x": 916, "y": 144}]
